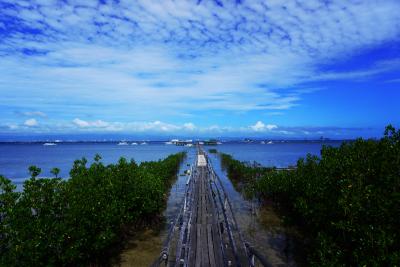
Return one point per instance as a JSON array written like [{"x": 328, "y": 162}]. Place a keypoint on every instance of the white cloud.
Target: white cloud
[
  {"x": 189, "y": 126},
  {"x": 35, "y": 113},
  {"x": 261, "y": 127},
  {"x": 31, "y": 123},
  {"x": 92, "y": 124},
  {"x": 151, "y": 126},
  {"x": 80, "y": 123}
]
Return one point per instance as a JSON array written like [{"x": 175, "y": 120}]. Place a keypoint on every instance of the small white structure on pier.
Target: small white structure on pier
[{"x": 201, "y": 160}]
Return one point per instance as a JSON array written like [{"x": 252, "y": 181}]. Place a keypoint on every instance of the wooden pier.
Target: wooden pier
[{"x": 205, "y": 232}]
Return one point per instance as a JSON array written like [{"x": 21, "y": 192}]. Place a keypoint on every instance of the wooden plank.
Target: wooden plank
[
  {"x": 196, "y": 204},
  {"x": 210, "y": 246},
  {"x": 217, "y": 245},
  {"x": 200, "y": 198},
  {"x": 198, "y": 247},
  {"x": 187, "y": 234},
  {"x": 192, "y": 245},
  {"x": 211, "y": 213},
  {"x": 193, "y": 222},
  {"x": 205, "y": 261},
  {"x": 203, "y": 202},
  {"x": 215, "y": 230}
]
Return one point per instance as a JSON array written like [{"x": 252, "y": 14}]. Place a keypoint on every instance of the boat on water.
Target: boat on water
[
  {"x": 169, "y": 143},
  {"x": 189, "y": 145},
  {"x": 263, "y": 142},
  {"x": 143, "y": 143},
  {"x": 270, "y": 143},
  {"x": 134, "y": 144},
  {"x": 122, "y": 143},
  {"x": 49, "y": 144}
]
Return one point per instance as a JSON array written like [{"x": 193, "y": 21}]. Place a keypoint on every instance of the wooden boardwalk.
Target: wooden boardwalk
[
  {"x": 204, "y": 240},
  {"x": 205, "y": 232}
]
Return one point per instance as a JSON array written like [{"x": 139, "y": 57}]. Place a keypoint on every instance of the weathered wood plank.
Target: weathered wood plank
[
  {"x": 217, "y": 245},
  {"x": 198, "y": 247},
  {"x": 205, "y": 261},
  {"x": 192, "y": 245},
  {"x": 211, "y": 250},
  {"x": 193, "y": 221},
  {"x": 203, "y": 202}
]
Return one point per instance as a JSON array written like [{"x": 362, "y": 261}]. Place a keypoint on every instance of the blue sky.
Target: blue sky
[{"x": 285, "y": 69}]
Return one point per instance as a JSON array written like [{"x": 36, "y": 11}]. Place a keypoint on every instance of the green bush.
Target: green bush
[
  {"x": 347, "y": 201},
  {"x": 55, "y": 222},
  {"x": 243, "y": 174}
]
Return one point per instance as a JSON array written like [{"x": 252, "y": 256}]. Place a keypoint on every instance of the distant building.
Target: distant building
[
  {"x": 211, "y": 142},
  {"x": 181, "y": 142}
]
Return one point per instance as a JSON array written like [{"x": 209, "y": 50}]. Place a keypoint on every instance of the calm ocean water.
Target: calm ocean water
[{"x": 15, "y": 158}]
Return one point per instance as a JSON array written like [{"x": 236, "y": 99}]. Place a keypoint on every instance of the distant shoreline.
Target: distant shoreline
[{"x": 254, "y": 141}]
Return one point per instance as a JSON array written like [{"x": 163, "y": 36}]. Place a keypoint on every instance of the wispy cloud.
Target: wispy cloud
[
  {"x": 32, "y": 114},
  {"x": 393, "y": 81},
  {"x": 133, "y": 127},
  {"x": 165, "y": 60},
  {"x": 377, "y": 68}
]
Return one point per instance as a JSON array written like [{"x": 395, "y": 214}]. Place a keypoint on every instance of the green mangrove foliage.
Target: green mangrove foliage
[
  {"x": 347, "y": 201},
  {"x": 243, "y": 175},
  {"x": 74, "y": 222}
]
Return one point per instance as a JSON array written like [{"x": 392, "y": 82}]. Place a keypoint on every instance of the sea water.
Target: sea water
[{"x": 15, "y": 158}]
